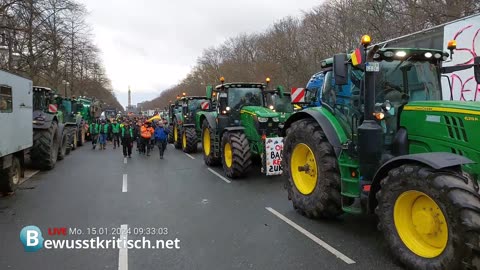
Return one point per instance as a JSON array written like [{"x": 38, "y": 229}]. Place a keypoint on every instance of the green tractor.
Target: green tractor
[
  {"x": 67, "y": 108},
  {"x": 49, "y": 137},
  {"x": 279, "y": 101},
  {"x": 188, "y": 126},
  {"x": 240, "y": 129},
  {"x": 90, "y": 109},
  {"x": 383, "y": 141}
]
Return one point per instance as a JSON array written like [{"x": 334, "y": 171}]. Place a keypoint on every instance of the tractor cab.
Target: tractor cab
[
  {"x": 190, "y": 105},
  {"x": 279, "y": 101},
  {"x": 44, "y": 107}
]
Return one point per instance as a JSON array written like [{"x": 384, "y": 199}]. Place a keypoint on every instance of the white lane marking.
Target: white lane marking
[
  {"x": 315, "y": 239},
  {"x": 125, "y": 160},
  {"x": 221, "y": 177},
  {"x": 123, "y": 251},
  {"x": 124, "y": 185},
  {"x": 190, "y": 156}
]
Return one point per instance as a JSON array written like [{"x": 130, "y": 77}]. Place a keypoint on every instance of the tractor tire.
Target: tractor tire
[
  {"x": 315, "y": 194},
  {"x": 208, "y": 140},
  {"x": 430, "y": 219},
  {"x": 189, "y": 140},
  {"x": 81, "y": 136},
  {"x": 177, "y": 136},
  {"x": 74, "y": 135},
  {"x": 10, "y": 177},
  {"x": 236, "y": 155},
  {"x": 170, "y": 135},
  {"x": 63, "y": 148},
  {"x": 44, "y": 152}
]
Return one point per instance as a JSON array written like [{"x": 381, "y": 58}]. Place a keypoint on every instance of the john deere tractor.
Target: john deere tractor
[
  {"x": 49, "y": 138},
  {"x": 176, "y": 116},
  {"x": 279, "y": 101},
  {"x": 188, "y": 130},
  {"x": 239, "y": 129},
  {"x": 383, "y": 141}
]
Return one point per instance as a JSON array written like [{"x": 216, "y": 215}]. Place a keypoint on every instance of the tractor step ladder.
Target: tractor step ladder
[
  {"x": 216, "y": 145},
  {"x": 350, "y": 188}
]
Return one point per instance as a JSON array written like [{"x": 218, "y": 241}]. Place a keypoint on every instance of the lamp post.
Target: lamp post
[{"x": 66, "y": 83}]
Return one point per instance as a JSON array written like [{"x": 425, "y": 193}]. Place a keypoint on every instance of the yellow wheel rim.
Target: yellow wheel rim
[
  {"x": 175, "y": 133},
  {"x": 420, "y": 223},
  {"x": 184, "y": 140},
  {"x": 303, "y": 168},
  {"x": 227, "y": 153},
  {"x": 206, "y": 141}
]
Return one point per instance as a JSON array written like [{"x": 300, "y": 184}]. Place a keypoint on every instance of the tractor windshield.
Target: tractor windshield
[
  {"x": 196, "y": 104},
  {"x": 239, "y": 97},
  {"x": 282, "y": 104},
  {"x": 401, "y": 81},
  {"x": 39, "y": 101}
]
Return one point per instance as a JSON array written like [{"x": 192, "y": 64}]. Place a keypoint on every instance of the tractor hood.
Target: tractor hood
[
  {"x": 460, "y": 107},
  {"x": 259, "y": 111}
]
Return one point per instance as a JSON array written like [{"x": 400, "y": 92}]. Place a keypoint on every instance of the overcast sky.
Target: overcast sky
[{"x": 152, "y": 44}]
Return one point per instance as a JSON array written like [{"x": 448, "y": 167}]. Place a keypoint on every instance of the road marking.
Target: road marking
[
  {"x": 315, "y": 239},
  {"x": 190, "y": 156},
  {"x": 124, "y": 185},
  {"x": 124, "y": 160},
  {"x": 221, "y": 177},
  {"x": 123, "y": 251}
]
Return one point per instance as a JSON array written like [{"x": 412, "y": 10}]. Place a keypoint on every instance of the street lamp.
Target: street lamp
[{"x": 66, "y": 83}]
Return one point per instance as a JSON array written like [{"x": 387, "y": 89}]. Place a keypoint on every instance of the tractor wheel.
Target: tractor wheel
[
  {"x": 430, "y": 219},
  {"x": 45, "y": 147},
  {"x": 313, "y": 175},
  {"x": 207, "y": 145},
  {"x": 236, "y": 155},
  {"x": 63, "y": 148},
  {"x": 177, "y": 136},
  {"x": 10, "y": 178},
  {"x": 81, "y": 136},
  {"x": 170, "y": 135},
  {"x": 189, "y": 140},
  {"x": 75, "y": 138}
]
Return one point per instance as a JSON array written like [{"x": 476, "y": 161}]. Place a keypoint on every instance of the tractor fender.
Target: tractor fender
[
  {"x": 434, "y": 160},
  {"x": 210, "y": 119},
  {"x": 324, "y": 123},
  {"x": 230, "y": 129},
  {"x": 188, "y": 125}
]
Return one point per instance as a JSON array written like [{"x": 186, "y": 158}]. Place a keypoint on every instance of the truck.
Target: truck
[
  {"x": 15, "y": 111},
  {"x": 380, "y": 139}
]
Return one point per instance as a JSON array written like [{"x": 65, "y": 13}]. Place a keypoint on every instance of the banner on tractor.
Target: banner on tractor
[
  {"x": 274, "y": 153},
  {"x": 298, "y": 95}
]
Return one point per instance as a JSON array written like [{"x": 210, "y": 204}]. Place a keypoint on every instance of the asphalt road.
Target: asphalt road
[{"x": 221, "y": 224}]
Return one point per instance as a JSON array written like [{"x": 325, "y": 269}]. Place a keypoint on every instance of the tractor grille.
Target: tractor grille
[
  {"x": 456, "y": 128},
  {"x": 268, "y": 127}
]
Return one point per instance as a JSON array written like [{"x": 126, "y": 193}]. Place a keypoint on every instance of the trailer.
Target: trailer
[{"x": 15, "y": 113}]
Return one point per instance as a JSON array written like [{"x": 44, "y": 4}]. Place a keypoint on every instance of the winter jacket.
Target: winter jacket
[
  {"x": 104, "y": 128},
  {"x": 116, "y": 128},
  {"x": 161, "y": 133},
  {"x": 146, "y": 132},
  {"x": 94, "y": 129}
]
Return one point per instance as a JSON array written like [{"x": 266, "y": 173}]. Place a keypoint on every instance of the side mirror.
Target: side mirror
[
  {"x": 209, "y": 91},
  {"x": 340, "y": 69},
  {"x": 223, "y": 103},
  {"x": 476, "y": 68}
]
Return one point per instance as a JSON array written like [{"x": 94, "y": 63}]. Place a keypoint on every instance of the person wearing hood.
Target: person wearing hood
[{"x": 161, "y": 134}]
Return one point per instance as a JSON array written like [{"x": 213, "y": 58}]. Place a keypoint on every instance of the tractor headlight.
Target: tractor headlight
[
  {"x": 275, "y": 119},
  {"x": 271, "y": 107},
  {"x": 262, "y": 119}
]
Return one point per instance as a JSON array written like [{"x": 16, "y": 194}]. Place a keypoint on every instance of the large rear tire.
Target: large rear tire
[
  {"x": 189, "y": 140},
  {"x": 45, "y": 147},
  {"x": 10, "y": 177},
  {"x": 208, "y": 141},
  {"x": 63, "y": 149},
  {"x": 236, "y": 155},
  {"x": 430, "y": 219},
  {"x": 310, "y": 164},
  {"x": 170, "y": 134}
]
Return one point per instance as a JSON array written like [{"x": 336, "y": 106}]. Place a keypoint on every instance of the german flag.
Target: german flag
[{"x": 356, "y": 57}]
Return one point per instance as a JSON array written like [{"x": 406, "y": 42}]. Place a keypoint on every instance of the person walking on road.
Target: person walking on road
[
  {"x": 146, "y": 132},
  {"x": 161, "y": 134},
  {"x": 104, "y": 131},
  {"x": 116, "y": 134},
  {"x": 94, "y": 131},
  {"x": 128, "y": 136}
]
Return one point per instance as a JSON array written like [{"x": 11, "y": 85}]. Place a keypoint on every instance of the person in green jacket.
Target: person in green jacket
[
  {"x": 104, "y": 131},
  {"x": 94, "y": 131},
  {"x": 116, "y": 134},
  {"x": 127, "y": 134}
]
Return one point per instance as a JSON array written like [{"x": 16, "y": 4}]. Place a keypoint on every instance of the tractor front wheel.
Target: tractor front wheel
[
  {"x": 10, "y": 177},
  {"x": 208, "y": 143},
  {"x": 236, "y": 156},
  {"x": 189, "y": 140},
  {"x": 311, "y": 167},
  {"x": 430, "y": 219}
]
